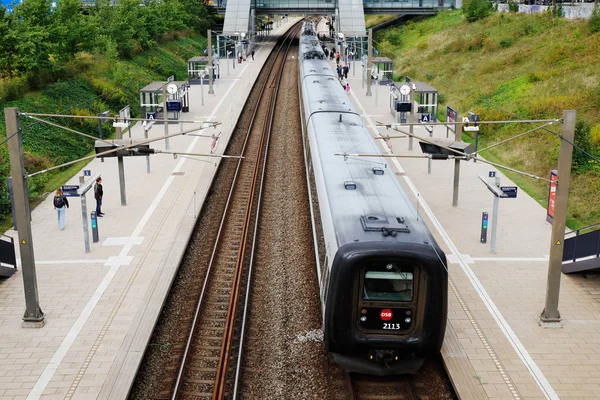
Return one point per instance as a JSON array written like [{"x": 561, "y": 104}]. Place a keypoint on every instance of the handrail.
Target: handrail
[{"x": 576, "y": 231}]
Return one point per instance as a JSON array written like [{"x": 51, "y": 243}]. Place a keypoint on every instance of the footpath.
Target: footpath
[
  {"x": 494, "y": 346},
  {"x": 100, "y": 307}
]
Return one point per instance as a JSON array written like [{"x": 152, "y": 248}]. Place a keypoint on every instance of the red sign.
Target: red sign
[
  {"x": 386, "y": 314},
  {"x": 552, "y": 195}
]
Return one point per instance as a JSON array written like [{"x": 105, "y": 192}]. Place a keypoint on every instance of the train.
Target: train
[{"x": 383, "y": 279}]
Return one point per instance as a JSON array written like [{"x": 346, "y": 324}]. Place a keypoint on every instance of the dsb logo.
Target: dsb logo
[{"x": 386, "y": 314}]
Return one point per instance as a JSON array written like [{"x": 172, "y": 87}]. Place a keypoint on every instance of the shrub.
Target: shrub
[
  {"x": 596, "y": 95},
  {"x": 581, "y": 162},
  {"x": 594, "y": 21},
  {"x": 513, "y": 6},
  {"x": 474, "y": 10},
  {"x": 505, "y": 43},
  {"x": 13, "y": 89},
  {"x": 595, "y": 135}
]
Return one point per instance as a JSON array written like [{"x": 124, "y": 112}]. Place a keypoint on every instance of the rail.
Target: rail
[{"x": 250, "y": 188}]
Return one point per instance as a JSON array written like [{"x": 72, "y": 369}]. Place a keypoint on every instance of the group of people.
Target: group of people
[
  {"x": 61, "y": 203},
  {"x": 241, "y": 57}
]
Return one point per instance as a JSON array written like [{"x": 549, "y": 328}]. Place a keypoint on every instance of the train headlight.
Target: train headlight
[
  {"x": 389, "y": 266},
  {"x": 363, "y": 318},
  {"x": 407, "y": 320}
]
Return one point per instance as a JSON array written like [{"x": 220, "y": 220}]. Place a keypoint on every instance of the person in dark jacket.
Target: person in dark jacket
[
  {"x": 98, "y": 194},
  {"x": 60, "y": 205}
]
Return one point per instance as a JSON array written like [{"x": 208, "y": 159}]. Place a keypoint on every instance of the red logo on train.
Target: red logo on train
[{"x": 386, "y": 314}]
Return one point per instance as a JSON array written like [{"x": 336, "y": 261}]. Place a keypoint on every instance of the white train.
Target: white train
[{"x": 383, "y": 280}]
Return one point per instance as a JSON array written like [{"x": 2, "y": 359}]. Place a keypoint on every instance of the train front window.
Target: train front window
[{"x": 388, "y": 286}]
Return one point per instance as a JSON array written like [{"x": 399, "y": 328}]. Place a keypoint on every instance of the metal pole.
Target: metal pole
[
  {"x": 86, "y": 233},
  {"x": 429, "y": 166},
  {"x": 550, "y": 313},
  {"x": 457, "y": 137},
  {"x": 166, "y": 115},
  {"x": 119, "y": 135},
  {"x": 411, "y": 116},
  {"x": 147, "y": 156},
  {"x": 210, "y": 64},
  {"x": 99, "y": 127},
  {"x": 34, "y": 317},
  {"x": 202, "y": 88},
  {"x": 495, "y": 219},
  {"x": 227, "y": 59},
  {"x": 369, "y": 61},
  {"x": 376, "y": 93}
]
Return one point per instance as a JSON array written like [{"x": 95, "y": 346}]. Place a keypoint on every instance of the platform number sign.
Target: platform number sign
[
  {"x": 425, "y": 117},
  {"x": 492, "y": 174},
  {"x": 151, "y": 115},
  {"x": 484, "y": 226},
  {"x": 87, "y": 172}
]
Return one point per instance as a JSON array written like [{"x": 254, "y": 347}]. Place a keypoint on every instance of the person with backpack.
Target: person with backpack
[
  {"x": 98, "y": 193},
  {"x": 60, "y": 205}
]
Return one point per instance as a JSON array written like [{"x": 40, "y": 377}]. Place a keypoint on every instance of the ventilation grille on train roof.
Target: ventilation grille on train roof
[{"x": 387, "y": 226}]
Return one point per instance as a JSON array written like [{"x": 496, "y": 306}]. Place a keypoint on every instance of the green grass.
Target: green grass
[
  {"x": 94, "y": 84},
  {"x": 511, "y": 66}
]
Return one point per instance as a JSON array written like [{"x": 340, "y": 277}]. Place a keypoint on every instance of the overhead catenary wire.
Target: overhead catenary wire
[
  {"x": 67, "y": 129},
  {"x": 116, "y": 117},
  {"x": 127, "y": 147}
]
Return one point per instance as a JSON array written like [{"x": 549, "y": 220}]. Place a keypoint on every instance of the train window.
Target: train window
[{"x": 388, "y": 286}]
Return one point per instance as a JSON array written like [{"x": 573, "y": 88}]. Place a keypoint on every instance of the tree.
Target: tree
[{"x": 475, "y": 10}]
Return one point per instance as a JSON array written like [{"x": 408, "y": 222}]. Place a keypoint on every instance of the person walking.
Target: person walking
[
  {"x": 252, "y": 54},
  {"x": 98, "y": 194},
  {"x": 338, "y": 69},
  {"x": 60, "y": 205},
  {"x": 345, "y": 70}
]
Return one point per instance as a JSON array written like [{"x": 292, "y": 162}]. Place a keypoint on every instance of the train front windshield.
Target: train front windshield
[{"x": 388, "y": 285}]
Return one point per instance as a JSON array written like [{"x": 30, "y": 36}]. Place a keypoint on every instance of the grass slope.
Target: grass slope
[
  {"x": 92, "y": 84},
  {"x": 511, "y": 66}
]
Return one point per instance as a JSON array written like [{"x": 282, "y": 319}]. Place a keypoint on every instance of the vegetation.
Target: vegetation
[
  {"x": 79, "y": 61},
  {"x": 514, "y": 66}
]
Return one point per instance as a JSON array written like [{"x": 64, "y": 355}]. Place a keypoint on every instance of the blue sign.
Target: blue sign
[
  {"x": 484, "y": 226},
  {"x": 151, "y": 115},
  {"x": 174, "y": 105},
  {"x": 492, "y": 174},
  {"x": 70, "y": 190},
  {"x": 87, "y": 172},
  {"x": 425, "y": 117},
  {"x": 509, "y": 191}
]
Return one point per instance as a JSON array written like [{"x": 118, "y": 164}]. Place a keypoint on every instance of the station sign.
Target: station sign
[
  {"x": 509, "y": 192},
  {"x": 151, "y": 115},
  {"x": 492, "y": 174},
  {"x": 451, "y": 117},
  {"x": 70, "y": 190},
  {"x": 87, "y": 172},
  {"x": 425, "y": 117}
]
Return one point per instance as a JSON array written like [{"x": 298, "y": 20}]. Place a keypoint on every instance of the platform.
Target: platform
[
  {"x": 100, "y": 307},
  {"x": 494, "y": 347}
]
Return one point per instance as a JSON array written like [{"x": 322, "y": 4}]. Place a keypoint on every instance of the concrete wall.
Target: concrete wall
[{"x": 579, "y": 10}]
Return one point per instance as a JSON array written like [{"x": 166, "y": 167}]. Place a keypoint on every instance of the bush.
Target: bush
[
  {"x": 474, "y": 10},
  {"x": 513, "y": 6},
  {"x": 581, "y": 162},
  {"x": 594, "y": 21},
  {"x": 13, "y": 89}
]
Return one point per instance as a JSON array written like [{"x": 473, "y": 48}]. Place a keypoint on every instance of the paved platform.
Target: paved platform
[
  {"x": 494, "y": 347},
  {"x": 100, "y": 307}
]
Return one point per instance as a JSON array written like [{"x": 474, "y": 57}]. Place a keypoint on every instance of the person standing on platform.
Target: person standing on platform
[
  {"x": 345, "y": 70},
  {"x": 98, "y": 194},
  {"x": 337, "y": 58},
  {"x": 60, "y": 205},
  {"x": 252, "y": 54}
]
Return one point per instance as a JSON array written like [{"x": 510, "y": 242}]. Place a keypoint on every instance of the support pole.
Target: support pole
[
  {"x": 147, "y": 156},
  {"x": 166, "y": 115},
  {"x": 210, "y": 63},
  {"x": 495, "y": 219},
  {"x": 457, "y": 137},
  {"x": 119, "y": 135},
  {"x": 550, "y": 315},
  {"x": 369, "y": 61},
  {"x": 34, "y": 317},
  {"x": 411, "y": 116},
  {"x": 86, "y": 232}
]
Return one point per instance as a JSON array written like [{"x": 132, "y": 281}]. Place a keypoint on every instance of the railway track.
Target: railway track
[
  {"x": 203, "y": 372},
  {"x": 430, "y": 383}
]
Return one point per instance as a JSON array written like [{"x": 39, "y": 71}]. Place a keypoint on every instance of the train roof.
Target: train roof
[{"x": 365, "y": 197}]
